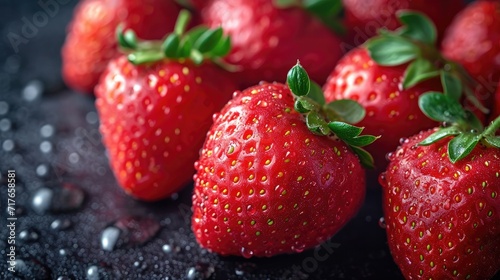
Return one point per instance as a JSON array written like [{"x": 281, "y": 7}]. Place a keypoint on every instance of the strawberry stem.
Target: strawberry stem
[
  {"x": 493, "y": 127},
  {"x": 182, "y": 22}
]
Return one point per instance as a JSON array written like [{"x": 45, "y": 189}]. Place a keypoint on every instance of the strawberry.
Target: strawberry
[
  {"x": 156, "y": 108},
  {"x": 91, "y": 43},
  {"x": 386, "y": 76},
  {"x": 473, "y": 41},
  {"x": 268, "y": 38},
  {"x": 264, "y": 181},
  {"x": 441, "y": 197},
  {"x": 363, "y": 18}
]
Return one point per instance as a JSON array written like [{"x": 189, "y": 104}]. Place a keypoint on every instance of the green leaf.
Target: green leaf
[
  {"x": 348, "y": 110},
  {"x": 126, "y": 39},
  {"x": 441, "y": 108},
  {"x": 418, "y": 71},
  {"x": 185, "y": 47},
  {"x": 493, "y": 140},
  {"x": 196, "y": 56},
  {"x": 144, "y": 57},
  {"x": 182, "y": 21},
  {"x": 417, "y": 26},
  {"x": 365, "y": 157},
  {"x": 391, "y": 50},
  {"x": 316, "y": 124},
  {"x": 328, "y": 12},
  {"x": 344, "y": 130},
  {"x": 316, "y": 93},
  {"x": 170, "y": 46},
  {"x": 298, "y": 80},
  {"x": 461, "y": 146},
  {"x": 195, "y": 33},
  {"x": 440, "y": 134},
  {"x": 304, "y": 105},
  {"x": 361, "y": 141},
  {"x": 222, "y": 48},
  {"x": 208, "y": 40},
  {"x": 452, "y": 86},
  {"x": 473, "y": 121},
  {"x": 283, "y": 4}
]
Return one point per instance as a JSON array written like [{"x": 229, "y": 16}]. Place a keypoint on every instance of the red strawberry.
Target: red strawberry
[
  {"x": 267, "y": 39},
  {"x": 473, "y": 41},
  {"x": 443, "y": 214},
  {"x": 264, "y": 182},
  {"x": 388, "y": 74},
  {"x": 154, "y": 116},
  {"x": 364, "y": 18},
  {"x": 91, "y": 41}
]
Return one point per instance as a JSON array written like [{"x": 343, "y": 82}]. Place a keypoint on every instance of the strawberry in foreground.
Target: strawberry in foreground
[
  {"x": 386, "y": 76},
  {"x": 91, "y": 42},
  {"x": 156, "y": 109},
  {"x": 473, "y": 41},
  {"x": 267, "y": 183},
  {"x": 363, "y": 18},
  {"x": 270, "y": 35},
  {"x": 442, "y": 197}
]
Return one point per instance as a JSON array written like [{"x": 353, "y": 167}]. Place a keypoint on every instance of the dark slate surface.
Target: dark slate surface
[{"x": 49, "y": 136}]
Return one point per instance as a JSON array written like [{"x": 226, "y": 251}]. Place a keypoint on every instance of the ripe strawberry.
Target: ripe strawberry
[
  {"x": 91, "y": 41},
  {"x": 264, "y": 182},
  {"x": 441, "y": 214},
  {"x": 387, "y": 75},
  {"x": 473, "y": 41},
  {"x": 363, "y": 18},
  {"x": 154, "y": 116},
  {"x": 267, "y": 39}
]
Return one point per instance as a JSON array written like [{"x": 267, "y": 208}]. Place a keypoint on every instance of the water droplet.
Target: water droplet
[
  {"x": 244, "y": 268},
  {"x": 191, "y": 273},
  {"x": 109, "y": 238},
  {"x": 407, "y": 174},
  {"x": 64, "y": 278},
  {"x": 200, "y": 271},
  {"x": 129, "y": 231},
  {"x": 91, "y": 117},
  {"x": 4, "y": 107},
  {"x": 32, "y": 90},
  {"x": 5, "y": 125},
  {"x": 167, "y": 248},
  {"x": 93, "y": 273},
  {"x": 42, "y": 170},
  {"x": 403, "y": 140},
  {"x": 73, "y": 158},
  {"x": 246, "y": 253},
  {"x": 381, "y": 223},
  {"x": 389, "y": 156},
  {"x": 32, "y": 269},
  {"x": 8, "y": 145},
  {"x": 140, "y": 265},
  {"x": 60, "y": 224},
  {"x": 46, "y": 147},
  {"x": 66, "y": 198},
  {"x": 29, "y": 235},
  {"x": 47, "y": 130},
  {"x": 62, "y": 252}
]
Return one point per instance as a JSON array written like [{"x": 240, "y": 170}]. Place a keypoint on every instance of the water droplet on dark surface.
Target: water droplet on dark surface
[
  {"x": 64, "y": 278},
  {"x": 62, "y": 252},
  {"x": 32, "y": 90},
  {"x": 200, "y": 271},
  {"x": 73, "y": 158},
  {"x": 93, "y": 273},
  {"x": 381, "y": 223},
  {"x": 91, "y": 117},
  {"x": 140, "y": 265},
  {"x": 42, "y": 170},
  {"x": 45, "y": 147},
  {"x": 32, "y": 269},
  {"x": 129, "y": 231},
  {"x": 8, "y": 145},
  {"x": 66, "y": 198},
  {"x": 167, "y": 248},
  {"x": 5, "y": 125},
  {"x": 60, "y": 224},
  {"x": 29, "y": 235},
  {"x": 244, "y": 268},
  {"x": 47, "y": 130},
  {"x": 4, "y": 107}
]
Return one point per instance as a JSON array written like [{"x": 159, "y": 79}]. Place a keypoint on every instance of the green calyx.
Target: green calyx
[
  {"x": 415, "y": 43},
  {"x": 198, "y": 44},
  {"x": 329, "y": 118},
  {"x": 466, "y": 130},
  {"x": 327, "y": 11}
]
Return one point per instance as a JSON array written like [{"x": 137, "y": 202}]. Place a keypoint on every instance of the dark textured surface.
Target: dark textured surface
[{"x": 156, "y": 241}]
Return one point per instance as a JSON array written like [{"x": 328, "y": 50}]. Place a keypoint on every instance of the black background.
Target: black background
[{"x": 359, "y": 251}]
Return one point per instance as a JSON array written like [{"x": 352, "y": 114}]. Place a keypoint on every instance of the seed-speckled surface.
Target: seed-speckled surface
[
  {"x": 266, "y": 185},
  {"x": 443, "y": 219}
]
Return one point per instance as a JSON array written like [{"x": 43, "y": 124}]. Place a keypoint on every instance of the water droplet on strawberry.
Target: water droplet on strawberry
[
  {"x": 382, "y": 178},
  {"x": 403, "y": 140},
  {"x": 390, "y": 156},
  {"x": 407, "y": 174},
  {"x": 381, "y": 223},
  {"x": 246, "y": 253}
]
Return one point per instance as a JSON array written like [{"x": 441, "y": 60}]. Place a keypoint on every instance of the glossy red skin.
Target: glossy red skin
[
  {"x": 473, "y": 40},
  {"x": 267, "y": 41},
  {"x": 154, "y": 119},
  {"x": 423, "y": 192},
  {"x": 363, "y": 18},
  {"x": 245, "y": 205},
  {"x": 391, "y": 112},
  {"x": 91, "y": 41}
]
